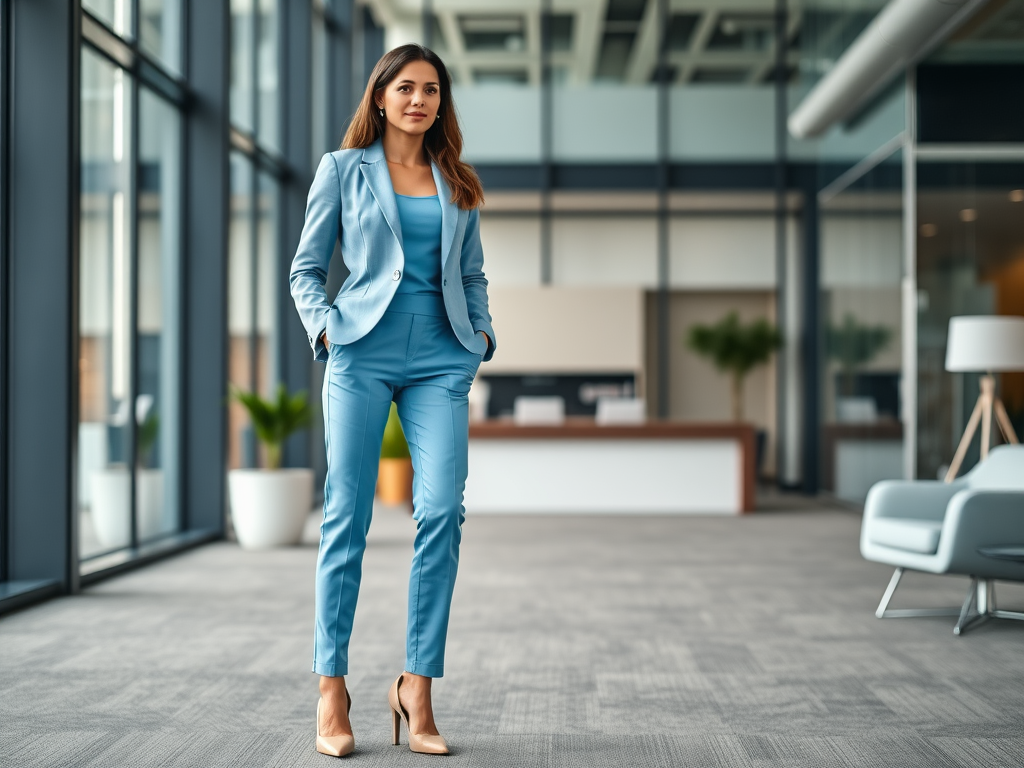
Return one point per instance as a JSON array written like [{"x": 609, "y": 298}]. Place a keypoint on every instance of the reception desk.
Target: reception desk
[{"x": 581, "y": 467}]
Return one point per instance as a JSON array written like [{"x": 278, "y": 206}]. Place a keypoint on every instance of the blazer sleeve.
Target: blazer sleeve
[
  {"x": 474, "y": 284},
  {"x": 320, "y": 232}
]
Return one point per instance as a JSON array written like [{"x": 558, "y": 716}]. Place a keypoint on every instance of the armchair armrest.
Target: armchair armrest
[
  {"x": 978, "y": 518},
  {"x": 913, "y": 499}
]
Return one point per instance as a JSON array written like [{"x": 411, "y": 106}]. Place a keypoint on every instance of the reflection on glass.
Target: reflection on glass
[
  {"x": 267, "y": 75},
  {"x": 266, "y": 282},
  {"x": 242, "y": 73},
  {"x": 116, "y": 14},
  {"x": 157, "y": 406},
  {"x": 105, "y": 398},
  {"x": 160, "y": 32},
  {"x": 970, "y": 261},
  {"x": 861, "y": 320},
  {"x": 241, "y": 444}
]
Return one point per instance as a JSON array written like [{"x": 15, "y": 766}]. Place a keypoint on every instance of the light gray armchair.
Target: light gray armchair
[{"x": 972, "y": 526}]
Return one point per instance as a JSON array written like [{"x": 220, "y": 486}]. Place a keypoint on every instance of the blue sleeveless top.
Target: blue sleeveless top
[{"x": 420, "y": 218}]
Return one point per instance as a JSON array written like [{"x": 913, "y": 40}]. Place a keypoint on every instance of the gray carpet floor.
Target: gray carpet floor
[{"x": 574, "y": 641}]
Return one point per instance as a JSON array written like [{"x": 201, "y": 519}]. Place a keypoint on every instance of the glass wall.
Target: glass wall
[
  {"x": 129, "y": 400},
  {"x": 970, "y": 218},
  {"x": 862, "y": 331},
  {"x": 160, "y": 32},
  {"x": 970, "y": 261},
  {"x": 159, "y": 346},
  {"x": 862, "y": 267},
  {"x": 255, "y": 266},
  {"x": 105, "y": 324}
]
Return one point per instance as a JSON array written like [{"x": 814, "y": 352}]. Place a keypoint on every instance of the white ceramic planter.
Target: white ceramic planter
[
  {"x": 110, "y": 504},
  {"x": 269, "y": 507}
]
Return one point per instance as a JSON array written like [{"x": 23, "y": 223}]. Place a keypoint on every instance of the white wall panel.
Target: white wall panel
[
  {"x": 554, "y": 329},
  {"x": 605, "y": 251},
  {"x": 511, "y": 249},
  {"x": 861, "y": 250},
  {"x": 723, "y": 252}
]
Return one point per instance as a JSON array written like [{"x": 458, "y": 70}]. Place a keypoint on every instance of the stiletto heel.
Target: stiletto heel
[
  {"x": 396, "y": 728},
  {"x": 336, "y": 746},
  {"x": 425, "y": 743}
]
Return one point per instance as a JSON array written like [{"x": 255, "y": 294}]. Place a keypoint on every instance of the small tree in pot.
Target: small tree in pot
[
  {"x": 269, "y": 506},
  {"x": 854, "y": 345},
  {"x": 735, "y": 349},
  {"x": 394, "y": 475}
]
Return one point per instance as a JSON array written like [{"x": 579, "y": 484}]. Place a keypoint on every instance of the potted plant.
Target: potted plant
[
  {"x": 736, "y": 349},
  {"x": 110, "y": 493},
  {"x": 853, "y": 345},
  {"x": 269, "y": 506},
  {"x": 394, "y": 476},
  {"x": 149, "y": 480}
]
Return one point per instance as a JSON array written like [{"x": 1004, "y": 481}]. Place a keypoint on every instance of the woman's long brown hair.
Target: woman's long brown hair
[{"x": 443, "y": 140}]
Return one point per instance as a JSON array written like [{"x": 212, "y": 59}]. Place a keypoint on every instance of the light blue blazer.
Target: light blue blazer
[{"x": 352, "y": 199}]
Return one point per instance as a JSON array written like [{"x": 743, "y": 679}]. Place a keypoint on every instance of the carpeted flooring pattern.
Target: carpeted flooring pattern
[{"x": 574, "y": 641}]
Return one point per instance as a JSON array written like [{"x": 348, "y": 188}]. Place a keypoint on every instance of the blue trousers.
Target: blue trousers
[{"x": 413, "y": 357}]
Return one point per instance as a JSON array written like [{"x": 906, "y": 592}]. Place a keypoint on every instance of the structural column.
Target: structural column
[
  {"x": 41, "y": 295},
  {"x": 207, "y": 185}
]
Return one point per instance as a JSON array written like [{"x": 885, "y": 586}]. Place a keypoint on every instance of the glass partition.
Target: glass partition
[
  {"x": 116, "y": 14},
  {"x": 158, "y": 405},
  {"x": 160, "y": 23},
  {"x": 970, "y": 261},
  {"x": 106, "y": 403},
  {"x": 862, "y": 331},
  {"x": 241, "y": 301}
]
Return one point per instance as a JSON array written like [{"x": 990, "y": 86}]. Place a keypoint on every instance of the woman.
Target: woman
[{"x": 410, "y": 324}]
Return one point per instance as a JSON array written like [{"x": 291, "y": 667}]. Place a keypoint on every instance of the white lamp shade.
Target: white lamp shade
[{"x": 985, "y": 343}]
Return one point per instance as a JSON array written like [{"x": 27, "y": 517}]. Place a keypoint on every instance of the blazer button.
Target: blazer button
[
  {"x": 445, "y": 281},
  {"x": 397, "y": 274}
]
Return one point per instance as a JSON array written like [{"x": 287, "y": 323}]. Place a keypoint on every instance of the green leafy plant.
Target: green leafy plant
[
  {"x": 275, "y": 420},
  {"x": 394, "y": 445},
  {"x": 149, "y": 430},
  {"x": 853, "y": 344},
  {"x": 735, "y": 349}
]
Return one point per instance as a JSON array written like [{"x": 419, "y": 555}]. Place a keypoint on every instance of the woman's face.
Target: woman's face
[{"x": 411, "y": 100}]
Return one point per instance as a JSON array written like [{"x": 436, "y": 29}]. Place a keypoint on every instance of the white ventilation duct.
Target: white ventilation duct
[{"x": 901, "y": 34}]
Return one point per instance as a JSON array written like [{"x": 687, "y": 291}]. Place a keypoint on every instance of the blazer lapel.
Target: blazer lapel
[
  {"x": 449, "y": 213},
  {"x": 375, "y": 171}
]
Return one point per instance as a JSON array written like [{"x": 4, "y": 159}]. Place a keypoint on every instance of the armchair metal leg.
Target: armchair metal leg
[
  {"x": 884, "y": 612},
  {"x": 983, "y": 594}
]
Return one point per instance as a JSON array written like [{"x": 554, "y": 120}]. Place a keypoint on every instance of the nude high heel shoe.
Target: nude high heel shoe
[
  {"x": 338, "y": 746},
  {"x": 426, "y": 743}
]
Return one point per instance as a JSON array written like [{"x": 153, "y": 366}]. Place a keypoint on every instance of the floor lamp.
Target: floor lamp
[{"x": 989, "y": 344}]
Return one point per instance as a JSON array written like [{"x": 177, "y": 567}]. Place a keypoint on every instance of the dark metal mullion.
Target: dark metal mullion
[
  {"x": 283, "y": 297},
  {"x": 180, "y": 304},
  {"x": 253, "y": 278},
  {"x": 254, "y": 113},
  {"x": 74, "y": 209},
  {"x": 5, "y": 157},
  {"x": 132, "y": 283},
  {"x": 782, "y": 298},
  {"x": 663, "y": 335},
  {"x": 546, "y": 144}
]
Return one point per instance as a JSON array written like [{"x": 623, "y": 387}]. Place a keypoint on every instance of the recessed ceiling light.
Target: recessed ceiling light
[
  {"x": 929, "y": 230},
  {"x": 968, "y": 214},
  {"x": 1017, "y": 195}
]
